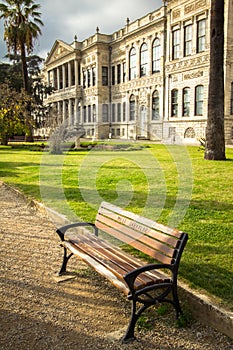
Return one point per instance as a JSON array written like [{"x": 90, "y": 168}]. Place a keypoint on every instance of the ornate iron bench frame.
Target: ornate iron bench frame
[{"x": 144, "y": 284}]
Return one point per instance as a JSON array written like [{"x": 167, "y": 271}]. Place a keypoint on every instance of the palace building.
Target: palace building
[{"x": 148, "y": 80}]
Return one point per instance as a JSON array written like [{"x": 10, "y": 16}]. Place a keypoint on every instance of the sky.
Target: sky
[{"x": 63, "y": 19}]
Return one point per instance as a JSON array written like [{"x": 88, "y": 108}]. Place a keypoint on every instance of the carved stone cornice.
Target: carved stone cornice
[{"x": 188, "y": 63}]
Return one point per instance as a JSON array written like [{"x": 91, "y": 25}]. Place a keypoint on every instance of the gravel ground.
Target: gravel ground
[{"x": 38, "y": 312}]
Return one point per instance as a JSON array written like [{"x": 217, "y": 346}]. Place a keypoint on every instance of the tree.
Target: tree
[
  {"x": 21, "y": 27},
  {"x": 215, "y": 140},
  {"x": 11, "y": 73},
  {"x": 13, "y": 108}
]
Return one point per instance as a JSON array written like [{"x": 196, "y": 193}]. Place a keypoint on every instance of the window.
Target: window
[
  {"x": 88, "y": 78},
  {"x": 124, "y": 72},
  {"x": 132, "y": 108},
  {"x": 156, "y": 56},
  {"x": 113, "y": 75},
  {"x": 155, "y": 105},
  {"x": 186, "y": 102},
  {"x": 124, "y": 111},
  {"x": 113, "y": 112},
  {"x": 132, "y": 64},
  {"x": 199, "y": 90},
  {"x": 105, "y": 76},
  {"x": 84, "y": 114},
  {"x": 188, "y": 40},
  {"x": 201, "y": 34},
  {"x": 174, "y": 101},
  {"x": 143, "y": 60},
  {"x": 84, "y": 79},
  {"x": 118, "y": 132},
  {"x": 119, "y": 112},
  {"x": 118, "y": 74},
  {"x": 189, "y": 133},
  {"x": 172, "y": 133},
  {"x": 175, "y": 44},
  {"x": 89, "y": 114},
  {"x": 72, "y": 73},
  {"x": 93, "y": 76},
  {"x": 79, "y": 114},
  {"x": 94, "y": 113},
  {"x": 105, "y": 113},
  {"x": 231, "y": 106}
]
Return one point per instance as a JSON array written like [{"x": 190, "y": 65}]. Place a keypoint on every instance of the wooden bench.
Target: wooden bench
[{"x": 144, "y": 284}]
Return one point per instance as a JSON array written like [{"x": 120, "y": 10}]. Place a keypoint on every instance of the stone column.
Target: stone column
[
  {"x": 63, "y": 110},
  {"x": 76, "y": 112},
  {"x": 59, "y": 111},
  {"x": 70, "y": 112},
  {"x": 69, "y": 74},
  {"x": 76, "y": 72},
  {"x": 63, "y": 76},
  {"x": 58, "y": 78}
]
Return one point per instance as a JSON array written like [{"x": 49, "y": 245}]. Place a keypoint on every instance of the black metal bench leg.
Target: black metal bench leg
[
  {"x": 65, "y": 261},
  {"x": 176, "y": 301},
  {"x": 129, "y": 335}
]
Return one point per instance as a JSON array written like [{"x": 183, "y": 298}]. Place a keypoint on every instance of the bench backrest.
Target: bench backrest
[{"x": 162, "y": 243}]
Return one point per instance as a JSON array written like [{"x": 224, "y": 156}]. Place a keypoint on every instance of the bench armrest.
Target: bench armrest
[
  {"x": 62, "y": 230},
  {"x": 131, "y": 276}
]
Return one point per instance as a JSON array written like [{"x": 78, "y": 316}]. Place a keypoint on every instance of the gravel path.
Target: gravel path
[{"x": 37, "y": 312}]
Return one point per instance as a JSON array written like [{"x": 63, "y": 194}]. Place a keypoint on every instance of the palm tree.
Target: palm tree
[
  {"x": 215, "y": 140},
  {"x": 21, "y": 27}
]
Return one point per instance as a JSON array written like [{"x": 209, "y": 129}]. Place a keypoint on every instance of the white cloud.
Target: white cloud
[{"x": 65, "y": 19}]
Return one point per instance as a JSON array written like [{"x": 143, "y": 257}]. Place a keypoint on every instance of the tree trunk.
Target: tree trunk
[
  {"x": 215, "y": 140},
  {"x": 29, "y": 129},
  {"x": 24, "y": 68},
  {"x": 4, "y": 140}
]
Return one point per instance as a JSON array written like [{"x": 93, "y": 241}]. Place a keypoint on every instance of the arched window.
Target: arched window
[
  {"x": 132, "y": 108},
  {"x": 143, "y": 60},
  {"x": 155, "y": 105},
  {"x": 186, "y": 102},
  {"x": 189, "y": 133},
  {"x": 174, "y": 103},
  {"x": 132, "y": 64},
  {"x": 156, "y": 56},
  {"x": 199, "y": 99}
]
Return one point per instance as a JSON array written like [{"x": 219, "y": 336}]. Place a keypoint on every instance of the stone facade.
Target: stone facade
[{"x": 148, "y": 80}]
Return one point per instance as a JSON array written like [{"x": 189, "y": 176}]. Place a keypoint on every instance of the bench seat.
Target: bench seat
[{"x": 144, "y": 284}]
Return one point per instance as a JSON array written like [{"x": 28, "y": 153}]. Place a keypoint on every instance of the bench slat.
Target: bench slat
[
  {"x": 135, "y": 235},
  {"x": 140, "y": 219},
  {"x": 109, "y": 257},
  {"x": 138, "y": 245},
  {"x": 142, "y": 228},
  {"x": 98, "y": 267}
]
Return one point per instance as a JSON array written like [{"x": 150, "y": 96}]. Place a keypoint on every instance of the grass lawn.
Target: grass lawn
[{"x": 170, "y": 184}]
